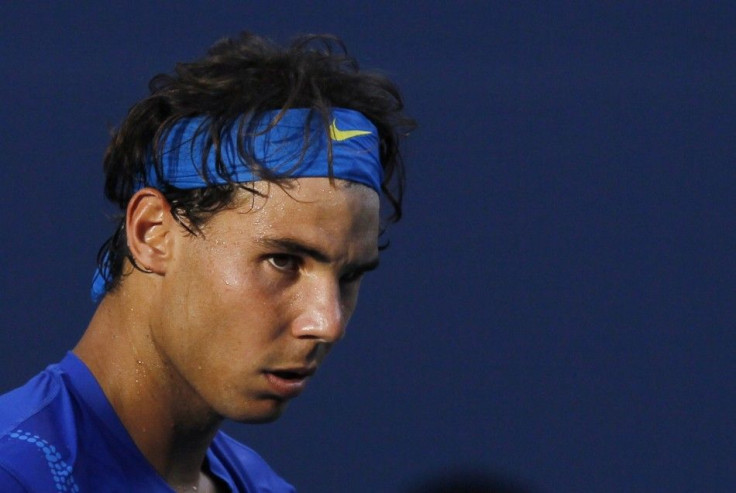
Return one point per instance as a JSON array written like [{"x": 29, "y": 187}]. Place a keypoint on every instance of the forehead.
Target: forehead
[{"x": 314, "y": 209}]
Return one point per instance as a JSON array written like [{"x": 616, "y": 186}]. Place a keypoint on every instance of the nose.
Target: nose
[{"x": 320, "y": 313}]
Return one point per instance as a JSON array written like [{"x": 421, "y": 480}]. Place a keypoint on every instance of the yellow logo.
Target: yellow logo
[{"x": 339, "y": 135}]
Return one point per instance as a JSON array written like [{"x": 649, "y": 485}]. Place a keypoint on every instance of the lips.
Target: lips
[{"x": 288, "y": 383}]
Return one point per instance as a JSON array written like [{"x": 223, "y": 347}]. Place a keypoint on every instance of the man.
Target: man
[{"x": 249, "y": 185}]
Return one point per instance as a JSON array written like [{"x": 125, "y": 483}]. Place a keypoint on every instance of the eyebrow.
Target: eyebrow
[{"x": 295, "y": 247}]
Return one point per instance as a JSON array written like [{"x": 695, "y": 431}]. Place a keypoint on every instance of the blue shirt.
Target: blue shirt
[{"x": 59, "y": 433}]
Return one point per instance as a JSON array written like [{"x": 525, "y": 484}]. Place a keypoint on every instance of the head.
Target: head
[
  {"x": 252, "y": 265},
  {"x": 235, "y": 88}
]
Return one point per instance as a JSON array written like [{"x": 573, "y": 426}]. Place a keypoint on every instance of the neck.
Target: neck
[{"x": 166, "y": 419}]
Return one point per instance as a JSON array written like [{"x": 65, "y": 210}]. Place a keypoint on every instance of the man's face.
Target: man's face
[{"x": 251, "y": 307}]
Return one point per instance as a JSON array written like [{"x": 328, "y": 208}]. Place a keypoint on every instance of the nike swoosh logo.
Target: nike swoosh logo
[{"x": 339, "y": 135}]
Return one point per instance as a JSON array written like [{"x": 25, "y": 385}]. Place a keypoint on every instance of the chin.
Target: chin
[{"x": 251, "y": 416}]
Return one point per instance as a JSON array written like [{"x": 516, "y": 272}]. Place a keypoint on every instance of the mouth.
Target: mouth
[
  {"x": 293, "y": 373},
  {"x": 288, "y": 383}
]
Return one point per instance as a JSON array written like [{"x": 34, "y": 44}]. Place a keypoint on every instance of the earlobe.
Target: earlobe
[{"x": 147, "y": 226}]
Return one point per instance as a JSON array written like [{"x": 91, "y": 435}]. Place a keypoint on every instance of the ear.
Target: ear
[{"x": 148, "y": 228}]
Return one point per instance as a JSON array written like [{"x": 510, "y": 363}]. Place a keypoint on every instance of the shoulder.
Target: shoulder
[
  {"x": 22, "y": 403},
  {"x": 9, "y": 483},
  {"x": 29, "y": 415},
  {"x": 245, "y": 467}
]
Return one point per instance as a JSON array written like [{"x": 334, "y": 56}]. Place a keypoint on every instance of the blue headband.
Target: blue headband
[{"x": 292, "y": 146}]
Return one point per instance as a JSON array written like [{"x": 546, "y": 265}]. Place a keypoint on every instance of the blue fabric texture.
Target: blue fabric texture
[
  {"x": 290, "y": 144},
  {"x": 59, "y": 433}
]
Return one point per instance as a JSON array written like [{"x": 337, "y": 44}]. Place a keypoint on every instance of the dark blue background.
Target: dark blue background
[{"x": 557, "y": 306}]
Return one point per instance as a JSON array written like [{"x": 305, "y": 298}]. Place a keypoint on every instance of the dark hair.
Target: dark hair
[{"x": 237, "y": 81}]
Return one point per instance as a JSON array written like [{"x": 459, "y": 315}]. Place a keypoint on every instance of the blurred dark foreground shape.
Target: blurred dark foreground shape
[{"x": 467, "y": 482}]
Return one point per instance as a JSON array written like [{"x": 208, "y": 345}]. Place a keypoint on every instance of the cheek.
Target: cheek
[
  {"x": 204, "y": 292},
  {"x": 349, "y": 297},
  {"x": 236, "y": 300}
]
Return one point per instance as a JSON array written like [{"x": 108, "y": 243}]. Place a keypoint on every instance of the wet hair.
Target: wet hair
[{"x": 237, "y": 81}]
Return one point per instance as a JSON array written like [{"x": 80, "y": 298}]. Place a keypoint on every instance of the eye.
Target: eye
[
  {"x": 352, "y": 276},
  {"x": 285, "y": 262}
]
